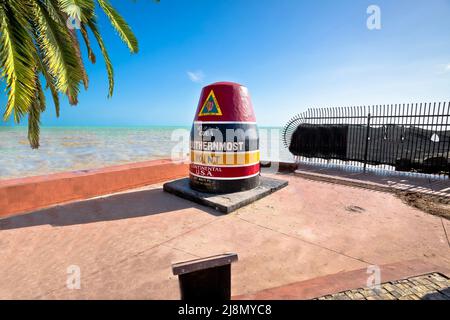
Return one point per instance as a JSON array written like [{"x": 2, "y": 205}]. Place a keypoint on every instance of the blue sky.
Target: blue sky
[{"x": 291, "y": 54}]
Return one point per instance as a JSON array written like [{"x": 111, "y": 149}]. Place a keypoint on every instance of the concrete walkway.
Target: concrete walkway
[
  {"x": 124, "y": 244},
  {"x": 381, "y": 179}
]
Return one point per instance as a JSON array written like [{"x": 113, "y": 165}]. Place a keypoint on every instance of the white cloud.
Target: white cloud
[
  {"x": 447, "y": 68},
  {"x": 196, "y": 76}
]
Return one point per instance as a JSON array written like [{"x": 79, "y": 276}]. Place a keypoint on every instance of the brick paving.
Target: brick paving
[{"x": 432, "y": 286}]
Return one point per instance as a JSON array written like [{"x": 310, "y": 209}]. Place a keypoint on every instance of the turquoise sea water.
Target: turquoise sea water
[{"x": 81, "y": 148}]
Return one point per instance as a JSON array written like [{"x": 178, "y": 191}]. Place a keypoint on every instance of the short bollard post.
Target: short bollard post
[{"x": 206, "y": 279}]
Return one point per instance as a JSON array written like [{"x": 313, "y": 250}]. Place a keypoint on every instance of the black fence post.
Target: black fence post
[
  {"x": 366, "y": 151},
  {"x": 207, "y": 279}
]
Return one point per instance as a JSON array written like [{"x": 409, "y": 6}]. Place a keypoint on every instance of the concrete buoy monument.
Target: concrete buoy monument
[
  {"x": 224, "y": 172},
  {"x": 224, "y": 141}
]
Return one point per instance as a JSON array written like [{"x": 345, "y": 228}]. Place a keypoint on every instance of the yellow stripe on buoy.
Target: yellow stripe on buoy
[{"x": 225, "y": 158}]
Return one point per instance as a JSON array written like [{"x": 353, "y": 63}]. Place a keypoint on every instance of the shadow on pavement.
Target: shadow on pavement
[
  {"x": 114, "y": 207},
  {"x": 443, "y": 294}
]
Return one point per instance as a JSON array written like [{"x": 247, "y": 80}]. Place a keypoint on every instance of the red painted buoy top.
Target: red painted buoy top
[{"x": 225, "y": 101}]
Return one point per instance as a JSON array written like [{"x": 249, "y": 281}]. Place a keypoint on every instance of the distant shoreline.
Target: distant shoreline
[{"x": 83, "y": 148}]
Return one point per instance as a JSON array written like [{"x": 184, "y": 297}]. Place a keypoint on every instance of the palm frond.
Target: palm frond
[
  {"x": 36, "y": 37},
  {"x": 72, "y": 11},
  {"x": 34, "y": 115},
  {"x": 34, "y": 121},
  {"x": 83, "y": 10},
  {"x": 85, "y": 35},
  {"x": 76, "y": 47},
  {"x": 59, "y": 55},
  {"x": 120, "y": 25},
  {"x": 101, "y": 44},
  {"x": 16, "y": 59},
  {"x": 50, "y": 83}
]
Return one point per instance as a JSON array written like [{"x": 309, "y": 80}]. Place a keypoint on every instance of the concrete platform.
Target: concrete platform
[
  {"x": 125, "y": 243},
  {"x": 227, "y": 202}
]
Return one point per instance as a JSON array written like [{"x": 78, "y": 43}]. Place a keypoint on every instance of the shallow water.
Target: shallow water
[{"x": 81, "y": 148}]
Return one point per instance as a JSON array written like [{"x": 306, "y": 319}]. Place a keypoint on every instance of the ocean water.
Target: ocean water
[{"x": 81, "y": 148}]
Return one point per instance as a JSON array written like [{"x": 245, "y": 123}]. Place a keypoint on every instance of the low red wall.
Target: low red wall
[{"x": 29, "y": 194}]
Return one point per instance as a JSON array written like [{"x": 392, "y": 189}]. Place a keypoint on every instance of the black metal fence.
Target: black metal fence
[{"x": 408, "y": 137}]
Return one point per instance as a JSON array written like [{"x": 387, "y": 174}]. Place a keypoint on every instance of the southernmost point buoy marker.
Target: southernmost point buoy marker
[
  {"x": 224, "y": 141},
  {"x": 224, "y": 172}
]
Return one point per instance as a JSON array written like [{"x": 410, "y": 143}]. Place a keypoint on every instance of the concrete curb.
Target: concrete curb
[
  {"x": 344, "y": 181},
  {"x": 344, "y": 281}
]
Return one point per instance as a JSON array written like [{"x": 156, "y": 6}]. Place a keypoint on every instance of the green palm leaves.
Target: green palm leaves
[
  {"x": 17, "y": 59},
  {"x": 39, "y": 41}
]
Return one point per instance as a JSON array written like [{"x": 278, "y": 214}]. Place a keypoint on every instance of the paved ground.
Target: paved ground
[
  {"x": 125, "y": 244},
  {"x": 427, "y": 287}
]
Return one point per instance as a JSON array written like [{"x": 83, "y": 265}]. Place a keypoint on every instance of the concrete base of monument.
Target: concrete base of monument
[{"x": 225, "y": 202}]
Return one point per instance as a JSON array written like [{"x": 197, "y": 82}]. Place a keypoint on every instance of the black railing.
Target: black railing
[{"x": 408, "y": 137}]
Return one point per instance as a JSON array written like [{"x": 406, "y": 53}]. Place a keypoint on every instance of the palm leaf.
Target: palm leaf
[
  {"x": 83, "y": 10},
  {"x": 34, "y": 120},
  {"x": 50, "y": 84},
  {"x": 80, "y": 10},
  {"x": 109, "y": 67},
  {"x": 120, "y": 25},
  {"x": 34, "y": 115},
  {"x": 59, "y": 55},
  {"x": 16, "y": 59},
  {"x": 36, "y": 38},
  {"x": 76, "y": 47},
  {"x": 85, "y": 35},
  {"x": 42, "y": 68}
]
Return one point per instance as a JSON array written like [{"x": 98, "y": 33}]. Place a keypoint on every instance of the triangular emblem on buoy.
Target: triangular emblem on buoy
[{"x": 211, "y": 106}]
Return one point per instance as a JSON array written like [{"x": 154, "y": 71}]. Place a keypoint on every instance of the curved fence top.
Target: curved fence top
[{"x": 407, "y": 136}]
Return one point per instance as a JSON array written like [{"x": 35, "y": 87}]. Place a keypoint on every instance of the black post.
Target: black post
[
  {"x": 367, "y": 142},
  {"x": 207, "y": 279}
]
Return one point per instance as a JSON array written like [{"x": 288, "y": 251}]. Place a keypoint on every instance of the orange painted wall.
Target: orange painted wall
[{"x": 29, "y": 194}]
